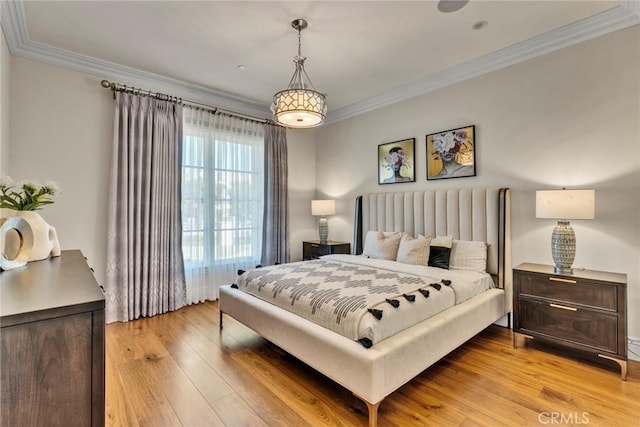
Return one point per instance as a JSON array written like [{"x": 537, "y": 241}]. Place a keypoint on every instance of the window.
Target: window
[{"x": 222, "y": 200}]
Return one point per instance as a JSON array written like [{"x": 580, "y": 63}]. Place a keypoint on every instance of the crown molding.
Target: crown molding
[
  {"x": 14, "y": 27},
  {"x": 13, "y": 24},
  {"x": 631, "y": 5},
  {"x": 603, "y": 23}
]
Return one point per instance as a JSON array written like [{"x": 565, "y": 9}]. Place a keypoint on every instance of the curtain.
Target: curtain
[
  {"x": 276, "y": 197},
  {"x": 222, "y": 199},
  {"x": 145, "y": 274}
]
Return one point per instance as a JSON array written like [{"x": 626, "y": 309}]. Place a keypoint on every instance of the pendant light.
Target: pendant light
[{"x": 299, "y": 105}]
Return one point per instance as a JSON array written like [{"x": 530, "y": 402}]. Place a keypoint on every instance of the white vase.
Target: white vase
[{"x": 45, "y": 238}]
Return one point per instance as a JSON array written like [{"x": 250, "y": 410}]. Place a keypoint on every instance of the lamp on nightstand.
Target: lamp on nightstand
[
  {"x": 322, "y": 208},
  {"x": 564, "y": 205}
]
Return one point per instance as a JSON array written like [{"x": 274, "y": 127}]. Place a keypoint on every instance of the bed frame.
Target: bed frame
[{"x": 480, "y": 214}]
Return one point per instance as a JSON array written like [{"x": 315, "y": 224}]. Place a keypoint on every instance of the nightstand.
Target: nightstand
[
  {"x": 313, "y": 249},
  {"x": 585, "y": 310}
]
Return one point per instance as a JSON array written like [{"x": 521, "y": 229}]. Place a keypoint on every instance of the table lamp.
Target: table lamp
[
  {"x": 564, "y": 205},
  {"x": 322, "y": 208}
]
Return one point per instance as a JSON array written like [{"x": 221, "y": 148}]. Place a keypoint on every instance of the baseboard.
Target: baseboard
[
  {"x": 504, "y": 321},
  {"x": 634, "y": 348}
]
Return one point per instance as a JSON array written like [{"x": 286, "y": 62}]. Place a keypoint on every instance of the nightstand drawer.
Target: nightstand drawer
[
  {"x": 574, "y": 291},
  {"x": 313, "y": 249},
  {"x": 316, "y": 249},
  {"x": 574, "y": 324}
]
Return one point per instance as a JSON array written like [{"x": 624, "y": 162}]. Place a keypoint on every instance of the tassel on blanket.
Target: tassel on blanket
[
  {"x": 259, "y": 266},
  {"x": 445, "y": 282},
  {"x": 366, "y": 342},
  {"x": 410, "y": 298},
  {"x": 234, "y": 286},
  {"x": 376, "y": 313},
  {"x": 240, "y": 272},
  {"x": 394, "y": 302},
  {"x": 438, "y": 286},
  {"x": 424, "y": 292}
]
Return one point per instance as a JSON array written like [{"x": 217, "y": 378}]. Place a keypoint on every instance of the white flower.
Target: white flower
[
  {"x": 28, "y": 184},
  {"x": 6, "y": 182},
  {"x": 52, "y": 188},
  {"x": 26, "y": 195},
  {"x": 444, "y": 142},
  {"x": 391, "y": 159}
]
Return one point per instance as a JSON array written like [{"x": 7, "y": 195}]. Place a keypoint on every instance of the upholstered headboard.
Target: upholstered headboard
[{"x": 480, "y": 214}]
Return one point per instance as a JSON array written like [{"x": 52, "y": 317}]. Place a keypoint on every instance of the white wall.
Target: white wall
[
  {"x": 5, "y": 64},
  {"x": 301, "y": 146},
  {"x": 570, "y": 118},
  {"x": 62, "y": 126}
]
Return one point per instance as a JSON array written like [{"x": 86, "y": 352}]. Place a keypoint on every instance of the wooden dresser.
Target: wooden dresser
[
  {"x": 52, "y": 344},
  {"x": 585, "y": 310}
]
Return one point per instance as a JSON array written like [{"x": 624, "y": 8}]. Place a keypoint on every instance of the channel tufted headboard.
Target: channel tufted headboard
[{"x": 481, "y": 214}]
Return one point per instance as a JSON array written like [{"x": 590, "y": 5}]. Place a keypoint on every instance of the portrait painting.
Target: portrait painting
[
  {"x": 451, "y": 153},
  {"x": 396, "y": 161}
]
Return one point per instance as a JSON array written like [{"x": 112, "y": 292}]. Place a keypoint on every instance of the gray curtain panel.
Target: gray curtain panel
[
  {"x": 145, "y": 270},
  {"x": 275, "y": 230}
]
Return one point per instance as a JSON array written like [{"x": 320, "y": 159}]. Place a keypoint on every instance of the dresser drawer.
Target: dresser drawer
[
  {"x": 593, "y": 329},
  {"x": 574, "y": 291}
]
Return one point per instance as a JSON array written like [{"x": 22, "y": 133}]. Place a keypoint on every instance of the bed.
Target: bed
[{"x": 375, "y": 371}]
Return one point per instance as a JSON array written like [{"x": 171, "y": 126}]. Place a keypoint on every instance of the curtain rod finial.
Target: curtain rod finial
[{"x": 106, "y": 84}]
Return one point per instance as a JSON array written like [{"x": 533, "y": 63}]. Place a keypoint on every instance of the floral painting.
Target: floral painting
[
  {"x": 451, "y": 154},
  {"x": 396, "y": 161}
]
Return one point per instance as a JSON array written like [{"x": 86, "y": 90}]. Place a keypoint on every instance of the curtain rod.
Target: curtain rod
[{"x": 119, "y": 87}]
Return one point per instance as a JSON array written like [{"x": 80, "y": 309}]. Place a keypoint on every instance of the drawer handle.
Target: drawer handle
[
  {"x": 557, "y": 279},
  {"x": 315, "y": 246},
  {"x": 564, "y": 307}
]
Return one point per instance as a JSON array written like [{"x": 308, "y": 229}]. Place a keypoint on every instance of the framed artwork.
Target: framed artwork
[
  {"x": 452, "y": 153},
  {"x": 396, "y": 161}
]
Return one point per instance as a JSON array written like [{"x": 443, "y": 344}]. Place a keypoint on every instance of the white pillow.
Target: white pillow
[
  {"x": 382, "y": 245},
  {"x": 442, "y": 241},
  {"x": 414, "y": 251},
  {"x": 468, "y": 255}
]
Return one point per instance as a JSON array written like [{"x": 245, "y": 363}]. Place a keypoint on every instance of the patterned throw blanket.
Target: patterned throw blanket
[{"x": 345, "y": 297}]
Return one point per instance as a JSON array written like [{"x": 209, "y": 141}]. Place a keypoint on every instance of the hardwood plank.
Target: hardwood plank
[
  {"x": 308, "y": 402},
  {"x": 234, "y": 411},
  {"x": 259, "y": 396},
  {"x": 178, "y": 369},
  {"x": 118, "y": 409},
  {"x": 147, "y": 399},
  {"x": 175, "y": 335}
]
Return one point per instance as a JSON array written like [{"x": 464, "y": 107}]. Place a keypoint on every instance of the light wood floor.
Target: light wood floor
[{"x": 176, "y": 369}]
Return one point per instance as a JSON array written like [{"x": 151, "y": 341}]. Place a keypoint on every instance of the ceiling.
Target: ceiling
[{"x": 361, "y": 54}]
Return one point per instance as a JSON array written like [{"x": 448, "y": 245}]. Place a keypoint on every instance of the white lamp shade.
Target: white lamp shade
[
  {"x": 323, "y": 207},
  {"x": 565, "y": 204},
  {"x": 299, "y": 108}
]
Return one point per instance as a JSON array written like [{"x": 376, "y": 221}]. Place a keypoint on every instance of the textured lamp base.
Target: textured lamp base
[
  {"x": 563, "y": 247},
  {"x": 323, "y": 230}
]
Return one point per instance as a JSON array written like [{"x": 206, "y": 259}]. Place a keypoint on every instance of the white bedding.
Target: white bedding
[
  {"x": 295, "y": 290},
  {"x": 466, "y": 284}
]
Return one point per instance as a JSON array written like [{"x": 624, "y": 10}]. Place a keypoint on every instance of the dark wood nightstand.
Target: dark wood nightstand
[
  {"x": 313, "y": 249},
  {"x": 585, "y": 310}
]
